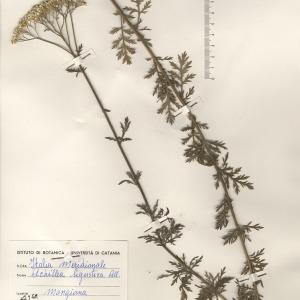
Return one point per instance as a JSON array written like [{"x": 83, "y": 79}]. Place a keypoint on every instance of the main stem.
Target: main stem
[
  {"x": 111, "y": 126},
  {"x": 129, "y": 164},
  {"x": 132, "y": 171},
  {"x": 199, "y": 130},
  {"x": 126, "y": 158}
]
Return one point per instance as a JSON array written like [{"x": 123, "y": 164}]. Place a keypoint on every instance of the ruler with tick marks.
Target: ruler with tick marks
[{"x": 209, "y": 39}]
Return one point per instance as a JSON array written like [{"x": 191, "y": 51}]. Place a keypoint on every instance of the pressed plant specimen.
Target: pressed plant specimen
[
  {"x": 52, "y": 21},
  {"x": 174, "y": 91}
]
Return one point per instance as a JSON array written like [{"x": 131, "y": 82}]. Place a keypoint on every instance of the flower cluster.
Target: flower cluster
[{"x": 39, "y": 12}]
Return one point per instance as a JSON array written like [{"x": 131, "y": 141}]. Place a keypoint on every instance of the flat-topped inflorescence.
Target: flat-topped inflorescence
[{"x": 43, "y": 13}]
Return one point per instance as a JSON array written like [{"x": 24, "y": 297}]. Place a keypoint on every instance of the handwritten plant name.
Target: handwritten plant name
[{"x": 81, "y": 270}]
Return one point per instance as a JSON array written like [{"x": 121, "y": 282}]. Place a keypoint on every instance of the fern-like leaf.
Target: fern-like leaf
[
  {"x": 133, "y": 178},
  {"x": 214, "y": 285},
  {"x": 182, "y": 273},
  {"x": 257, "y": 261},
  {"x": 181, "y": 75},
  {"x": 125, "y": 41},
  {"x": 243, "y": 231},
  {"x": 222, "y": 217},
  {"x": 245, "y": 292},
  {"x": 232, "y": 177}
]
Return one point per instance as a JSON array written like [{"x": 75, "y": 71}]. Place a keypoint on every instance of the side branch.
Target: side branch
[{"x": 180, "y": 101}]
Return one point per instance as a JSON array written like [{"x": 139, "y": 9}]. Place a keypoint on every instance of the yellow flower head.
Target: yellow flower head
[{"x": 39, "y": 12}]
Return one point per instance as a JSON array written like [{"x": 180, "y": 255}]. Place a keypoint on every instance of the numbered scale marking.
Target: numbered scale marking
[{"x": 208, "y": 39}]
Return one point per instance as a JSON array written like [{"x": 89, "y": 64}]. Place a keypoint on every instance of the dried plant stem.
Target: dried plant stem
[
  {"x": 193, "y": 118},
  {"x": 50, "y": 42},
  {"x": 74, "y": 33},
  {"x": 69, "y": 44},
  {"x": 130, "y": 166},
  {"x": 114, "y": 132},
  {"x": 132, "y": 171}
]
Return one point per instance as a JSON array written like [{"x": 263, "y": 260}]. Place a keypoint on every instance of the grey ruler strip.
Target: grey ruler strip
[{"x": 208, "y": 39}]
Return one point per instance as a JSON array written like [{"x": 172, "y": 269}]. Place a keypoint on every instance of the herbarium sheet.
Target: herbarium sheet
[{"x": 149, "y": 149}]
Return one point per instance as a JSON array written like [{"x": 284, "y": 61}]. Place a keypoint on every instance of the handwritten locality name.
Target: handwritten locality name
[
  {"x": 36, "y": 263},
  {"x": 66, "y": 293},
  {"x": 80, "y": 270}
]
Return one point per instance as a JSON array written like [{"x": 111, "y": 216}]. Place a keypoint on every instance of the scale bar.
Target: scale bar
[{"x": 208, "y": 35}]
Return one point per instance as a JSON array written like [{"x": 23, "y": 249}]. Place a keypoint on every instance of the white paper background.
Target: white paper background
[{"x": 59, "y": 174}]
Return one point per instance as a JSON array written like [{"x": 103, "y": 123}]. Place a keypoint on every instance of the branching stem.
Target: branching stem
[
  {"x": 128, "y": 162},
  {"x": 182, "y": 102},
  {"x": 50, "y": 42},
  {"x": 131, "y": 168},
  {"x": 74, "y": 33}
]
